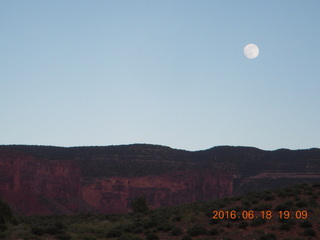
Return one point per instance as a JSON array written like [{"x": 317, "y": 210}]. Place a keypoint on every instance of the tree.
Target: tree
[
  {"x": 5, "y": 213},
  {"x": 139, "y": 205}
]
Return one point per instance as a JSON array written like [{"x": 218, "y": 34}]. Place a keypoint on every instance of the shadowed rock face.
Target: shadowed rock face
[
  {"x": 38, "y": 180},
  {"x": 36, "y": 186},
  {"x": 114, "y": 194}
]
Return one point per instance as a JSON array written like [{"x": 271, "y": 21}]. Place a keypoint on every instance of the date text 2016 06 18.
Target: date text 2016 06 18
[{"x": 268, "y": 214}]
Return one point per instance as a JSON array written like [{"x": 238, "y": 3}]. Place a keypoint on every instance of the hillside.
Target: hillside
[
  {"x": 257, "y": 216},
  {"x": 58, "y": 180}
]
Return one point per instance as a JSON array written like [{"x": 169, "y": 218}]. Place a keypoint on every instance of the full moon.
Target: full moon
[{"x": 251, "y": 51}]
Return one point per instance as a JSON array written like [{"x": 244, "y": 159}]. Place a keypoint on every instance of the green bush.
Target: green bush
[
  {"x": 285, "y": 227},
  {"x": 309, "y": 232},
  {"x": 186, "y": 238},
  {"x": 152, "y": 236},
  {"x": 196, "y": 231},
  {"x": 305, "y": 224},
  {"x": 37, "y": 231},
  {"x": 63, "y": 236},
  {"x": 213, "y": 231},
  {"x": 176, "y": 231},
  {"x": 113, "y": 233},
  {"x": 128, "y": 236},
  {"x": 268, "y": 236},
  {"x": 3, "y": 227},
  {"x": 139, "y": 205},
  {"x": 257, "y": 222},
  {"x": 5, "y": 213},
  {"x": 243, "y": 225},
  {"x": 52, "y": 230}
]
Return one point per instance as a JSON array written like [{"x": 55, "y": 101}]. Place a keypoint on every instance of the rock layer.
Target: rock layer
[{"x": 36, "y": 186}]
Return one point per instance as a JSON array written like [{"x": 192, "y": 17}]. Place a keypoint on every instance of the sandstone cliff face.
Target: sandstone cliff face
[
  {"x": 114, "y": 194},
  {"x": 38, "y": 186}
]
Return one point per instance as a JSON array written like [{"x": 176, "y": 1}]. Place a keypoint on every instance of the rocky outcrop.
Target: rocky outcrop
[
  {"x": 47, "y": 180},
  {"x": 114, "y": 195},
  {"x": 36, "y": 186}
]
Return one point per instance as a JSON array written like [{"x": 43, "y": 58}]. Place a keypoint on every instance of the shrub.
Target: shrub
[
  {"x": 176, "y": 231},
  {"x": 152, "y": 236},
  {"x": 268, "y": 236},
  {"x": 186, "y": 238},
  {"x": 282, "y": 207},
  {"x": 139, "y": 205},
  {"x": 5, "y": 213},
  {"x": 257, "y": 222},
  {"x": 52, "y": 230},
  {"x": 197, "y": 230},
  {"x": 113, "y": 233},
  {"x": 243, "y": 225},
  {"x": 301, "y": 204},
  {"x": 63, "y": 236},
  {"x": 3, "y": 227},
  {"x": 214, "y": 231},
  {"x": 309, "y": 232},
  {"x": 128, "y": 236},
  {"x": 306, "y": 224},
  {"x": 138, "y": 230},
  {"x": 285, "y": 226},
  {"x": 37, "y": 230}
]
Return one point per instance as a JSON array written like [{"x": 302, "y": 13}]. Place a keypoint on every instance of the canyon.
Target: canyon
[{"x": 40, "y": 180}]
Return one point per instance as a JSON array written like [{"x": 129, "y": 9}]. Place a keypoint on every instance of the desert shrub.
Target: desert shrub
[
  {"x": 176, "y": 218},
  {"x": 285, "y": 226},
  {"x": 165, "y": 226},
  {"x": 3, "y": 235},
  {"x": 255, "y": 201},
  {"x": 53, "y": 230},
  {"x": 262, "y": 207},
  {"x": 257, "y": 222},
  {"x": 213, "y": 231},
  {"x": 63, "y": 236},
  {"x": 59, "y": 225},
  {"x": 89, "y": 238},
  {"x": 37, "y": 231},
  {"x": 268, "y": 197},
  {"x": 139, "y": 205},
  {"x": 5, "y": 213},
  {"x": 301, "y": 204},
  {"x": 309, "y": 232},
  {"x": 305, "y": 224},
  {"x": 3, "y": 227},
  {"x": 246, "y": 203},
  {"x": 197, "y": 230},
  {"x": 268, "y": 236},
  {"x": 187, "y": 237},
  {"x": 243, "y": 225},
  {"x": 129, "y": 236},
  {"x": 152, "y": 236},
  {"x": 113, "y": 233},
  {"x": 137, "y": 230},
  {"x": 176, "y": 231},
  {"x": 282, "y": 207}
]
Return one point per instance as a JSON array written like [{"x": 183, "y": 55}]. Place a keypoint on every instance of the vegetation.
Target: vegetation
[{"x": 184, "y": 222}]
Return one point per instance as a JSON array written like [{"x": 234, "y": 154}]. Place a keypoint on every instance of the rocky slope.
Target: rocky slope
[{"x": 46, "y": 180}]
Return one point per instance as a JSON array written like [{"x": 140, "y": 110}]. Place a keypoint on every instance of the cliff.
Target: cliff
[{"x": 56, "y": 180}]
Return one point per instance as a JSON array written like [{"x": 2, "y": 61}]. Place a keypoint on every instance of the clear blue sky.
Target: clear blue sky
[{"x": 76, "y": 73}]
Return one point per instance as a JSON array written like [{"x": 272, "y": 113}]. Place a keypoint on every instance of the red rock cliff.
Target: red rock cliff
[
  {"x": 36, "y": 186},
  {"x": 114, "y": 194}
]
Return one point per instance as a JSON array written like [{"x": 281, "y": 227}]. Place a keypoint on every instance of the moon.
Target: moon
[{"x": 251, "y": 51}]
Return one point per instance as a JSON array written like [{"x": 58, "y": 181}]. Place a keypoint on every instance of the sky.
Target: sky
[{"x": 169, "y": 72}]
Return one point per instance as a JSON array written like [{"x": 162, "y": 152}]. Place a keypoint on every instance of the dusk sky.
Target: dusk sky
[{"x": 75, "y": 73}]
